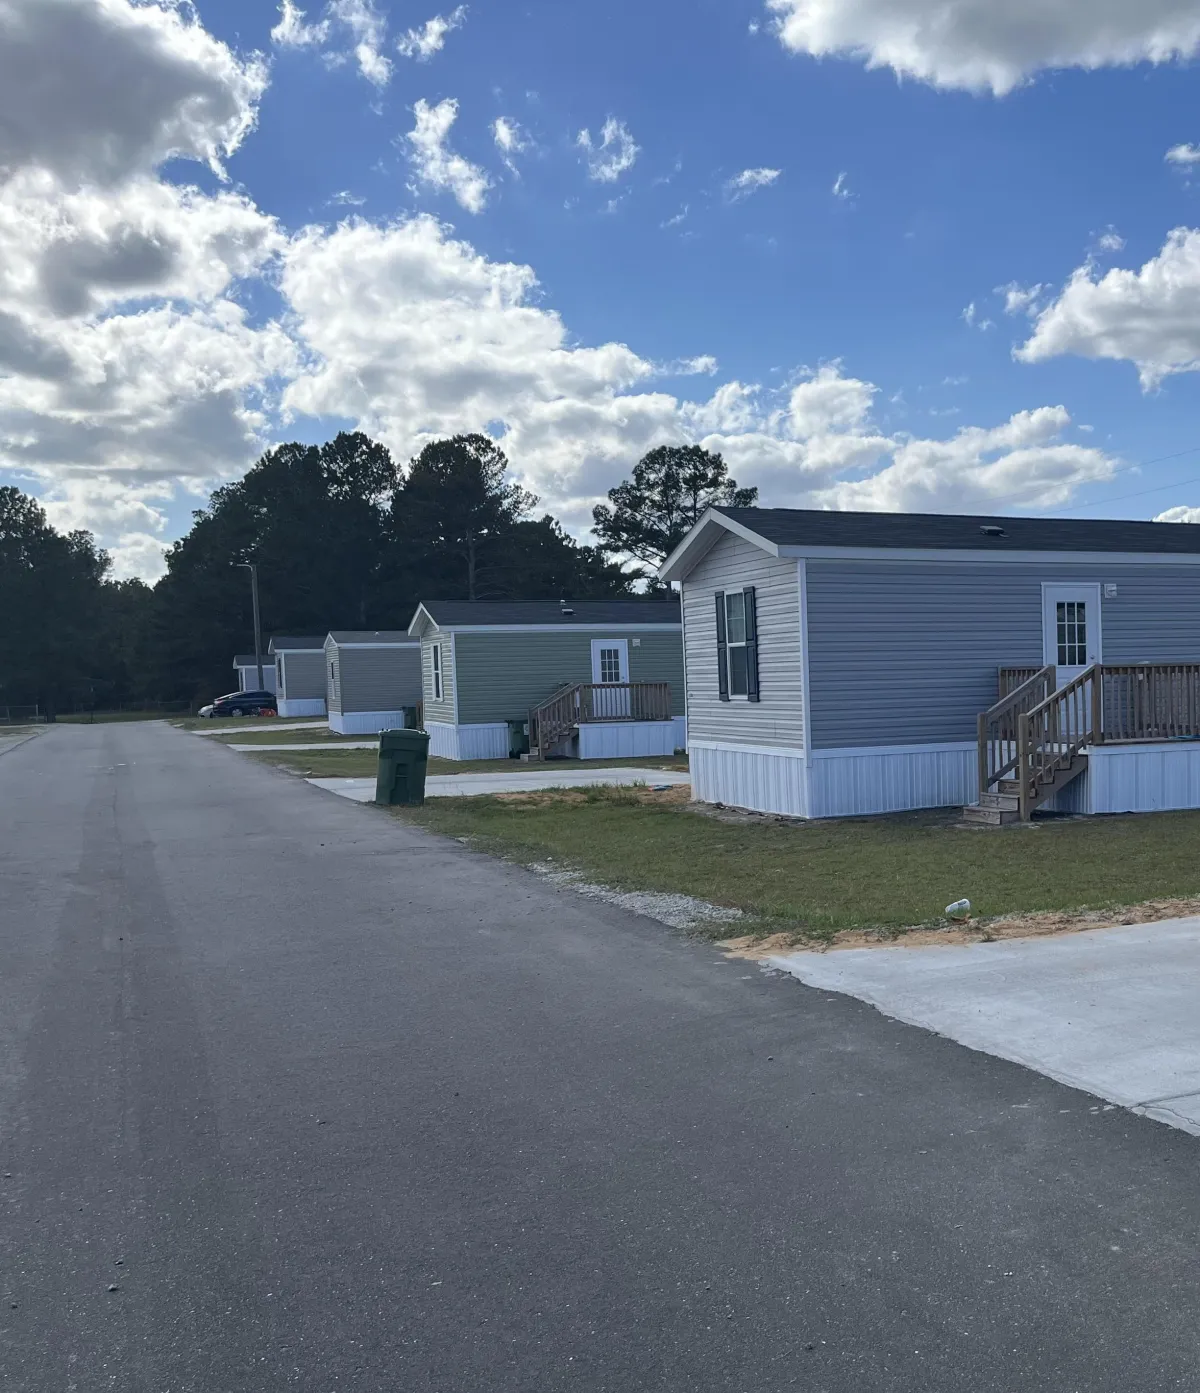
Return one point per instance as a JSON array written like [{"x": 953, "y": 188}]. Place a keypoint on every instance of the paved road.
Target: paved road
[{"x": 334, "y": 1105}]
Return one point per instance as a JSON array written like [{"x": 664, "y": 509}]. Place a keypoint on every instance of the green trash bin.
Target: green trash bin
[{"x": 403, "y": 759}]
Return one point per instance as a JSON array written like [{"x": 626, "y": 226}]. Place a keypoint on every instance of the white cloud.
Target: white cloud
[
  {"x": 1185, "y": 155},
  {"x": 1110, "y": 241},
  {"x": 1022, "y": 299},
  {"x": 974, "y": 320},
  {"x": 1180, "y": 514},
  {"x": 750, "y": 181},
  {"x": 678, "y": 219},
  {"x": 614, "y": 155},
  {"x": 138, "y": 556},
  {"x": 510, "y": 140},
  {"x": 430, "y": 38},
  {"x": 345, "y": 199},
  {"x": 103, "y": 89},
  {"x": 1149, "y": 317},
  {"x": 841, "y": 186},
  {"x": 293, "y": 32},
  {"x": 828, "y": 402},
  {"x": 440, "y": 167},
  {"x": 989, "y": 45},
  {"x": 368, "y": 33}
]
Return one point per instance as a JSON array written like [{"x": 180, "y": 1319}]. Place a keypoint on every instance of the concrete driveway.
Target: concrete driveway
[
  {"x": 518, "y": 781},
  {"x": 1113, "y": 1011}
]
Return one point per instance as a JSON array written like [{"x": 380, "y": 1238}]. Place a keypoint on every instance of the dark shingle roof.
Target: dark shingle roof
[
  {"x": 280, "y": 643},
  {"x": 370, "y": 636},
  {"x": 794, "y": 527},
  {"x": 505, "y": 613}
]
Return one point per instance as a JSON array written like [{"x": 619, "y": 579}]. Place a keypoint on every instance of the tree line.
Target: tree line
[{"x": 343, "y": 539}]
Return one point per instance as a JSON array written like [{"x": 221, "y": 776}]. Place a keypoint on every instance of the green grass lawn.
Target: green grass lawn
[
  {"x": 818, "y": 878},
  {"x": 357, "y": 764}
]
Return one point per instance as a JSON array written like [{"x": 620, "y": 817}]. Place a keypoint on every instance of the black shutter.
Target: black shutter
[
  {"x": 722, "y": 649},
  {"x": 751, "y": 645}
]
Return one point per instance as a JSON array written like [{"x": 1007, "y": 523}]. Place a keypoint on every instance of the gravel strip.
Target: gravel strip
[{"x": 677, "y": 911}]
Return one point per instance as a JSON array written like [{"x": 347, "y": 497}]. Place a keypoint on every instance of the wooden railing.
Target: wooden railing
[
  {"x": 998, "y": 727},
  {"x": 1053, "y": 733},
  {"x": 1150, "y": 701},
  {"x": 1011, "y": 678},
  {"x": 591, "y": 703}
]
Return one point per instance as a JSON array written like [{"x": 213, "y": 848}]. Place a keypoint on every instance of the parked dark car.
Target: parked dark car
[{"x": 242, "y": 704}]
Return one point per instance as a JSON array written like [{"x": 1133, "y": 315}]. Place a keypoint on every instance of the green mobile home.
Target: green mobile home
[{"x": 596, "y": 679}]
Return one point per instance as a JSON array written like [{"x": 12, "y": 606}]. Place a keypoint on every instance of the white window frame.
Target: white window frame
[
  {"x": 730, "y": 646},
  {"x": 435, "y": 672}
]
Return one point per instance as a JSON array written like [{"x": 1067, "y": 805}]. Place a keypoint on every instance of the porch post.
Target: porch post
[
  {"x": 983, "y": 755},
  {"x": 1025, "y": 802},
  {"x": 1098, "y": 704}
]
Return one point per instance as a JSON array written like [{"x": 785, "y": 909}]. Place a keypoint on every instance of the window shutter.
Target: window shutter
[
  {"x": 751, "y": 645},
  {"x": 722, "y": 649}
]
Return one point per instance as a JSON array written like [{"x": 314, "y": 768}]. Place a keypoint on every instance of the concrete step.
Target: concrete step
[{"x": 991, "y": 817}]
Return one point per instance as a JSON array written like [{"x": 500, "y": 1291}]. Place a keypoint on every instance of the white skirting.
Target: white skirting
[
  {"x": 833, "y": 783},
  {"x": 301, "y": 706},
  {"x": 626, "y": 739},
  {"x": 365, "y": 722},
  {"x": 1136, "y": 779},
  {"x": 448, "y": 741},
  {"x": 680, "y": 723},
  {"x": 762, "y": 779},
  {"x": 892, "y": 779}
]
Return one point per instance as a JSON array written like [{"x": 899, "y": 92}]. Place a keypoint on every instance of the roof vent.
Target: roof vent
[{"x": 991, "y": 530}]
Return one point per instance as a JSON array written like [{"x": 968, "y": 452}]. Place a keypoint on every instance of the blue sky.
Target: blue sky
[{"x": 805, "y": 196}]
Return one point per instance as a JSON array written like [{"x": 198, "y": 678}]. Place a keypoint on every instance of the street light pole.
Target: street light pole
[{"x": 253, "y": 569}]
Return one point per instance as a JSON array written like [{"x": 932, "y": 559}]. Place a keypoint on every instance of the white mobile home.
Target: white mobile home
[
  {"x": 300, "y": 681},
  {"x": 850, "y": 663},
  {"x": 246, "y": 667},
  {"x": 371, "y": 678}
]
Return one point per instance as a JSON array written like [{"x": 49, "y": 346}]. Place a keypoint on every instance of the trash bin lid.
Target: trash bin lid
[{"x": 417, "y": 741}]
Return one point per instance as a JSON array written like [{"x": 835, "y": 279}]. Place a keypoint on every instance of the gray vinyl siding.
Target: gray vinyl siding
[
  {"x": 906, "y": 652},
  {"x": 438, "y": 710},
  {"x": 372, "y": 679},
  {"x": 304, "y": 675},
  {"x": 333, "y": 677},
  {"x": 778, "y": 718},
  {"x": 501, "y": 675}
]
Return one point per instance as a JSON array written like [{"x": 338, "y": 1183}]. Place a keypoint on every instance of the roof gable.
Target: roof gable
[{"x": 543, "y": 614}]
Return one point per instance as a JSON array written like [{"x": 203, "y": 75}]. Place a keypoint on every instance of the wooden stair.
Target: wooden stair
[{"x": 1001, "y": 805}]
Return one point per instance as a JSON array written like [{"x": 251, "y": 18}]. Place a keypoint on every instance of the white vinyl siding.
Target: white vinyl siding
[
  {"x": 439, "y": 704},
  {"x": 777, "y": 719}
]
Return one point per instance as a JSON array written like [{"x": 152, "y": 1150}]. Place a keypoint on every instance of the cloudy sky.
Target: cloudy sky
[{"x": 921, "y": 254}]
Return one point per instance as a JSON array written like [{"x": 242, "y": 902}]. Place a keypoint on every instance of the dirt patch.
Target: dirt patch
[{"x": 1047, "y": 924}]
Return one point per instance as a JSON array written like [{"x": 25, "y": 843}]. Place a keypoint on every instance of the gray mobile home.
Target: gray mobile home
[
  {"x": 246, "y": 667},
  {"x": 299, "y": 675},
  {"x": 850, "y": 663},
  {"x": 370, "y": 678},
  {"x": 598, "y": 679}
]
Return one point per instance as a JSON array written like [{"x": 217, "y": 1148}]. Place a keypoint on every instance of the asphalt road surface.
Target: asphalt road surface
[{"x": 293, "y": 1097}]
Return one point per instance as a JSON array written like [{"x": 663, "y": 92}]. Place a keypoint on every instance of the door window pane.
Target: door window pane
[
  {"x": 1072, "y": 633},
  {"x": 610, "y": 665}
]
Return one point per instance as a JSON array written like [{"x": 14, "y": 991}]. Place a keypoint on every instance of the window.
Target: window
[
  {"x": 1072, "y": 633},
  {"x": 332, "y": 674},
  {"x": 610, "y": 665},
  {"x": 737, "y": 645},
  {"x": 435, "y": 661}
]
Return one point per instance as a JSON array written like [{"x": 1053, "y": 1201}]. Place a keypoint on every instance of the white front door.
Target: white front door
[
  {"x": 1070, "y": 629},
  {"x": 610, "y": 667}
]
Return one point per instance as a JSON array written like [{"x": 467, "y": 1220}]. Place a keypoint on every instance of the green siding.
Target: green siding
[{"x": 501, "y": 675}]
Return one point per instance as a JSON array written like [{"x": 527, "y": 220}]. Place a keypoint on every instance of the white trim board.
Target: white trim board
[
  {"x": 873, "y": 751},
  {"x": 615, "y": 629},
  {"x": 1040, "y": 558},
  {"x": 405, "y": 643},
  {"x": 787, "y": 751}
]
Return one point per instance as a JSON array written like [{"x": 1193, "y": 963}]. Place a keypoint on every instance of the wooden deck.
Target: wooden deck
[
  {"x": 1034, "y": 741},
  {"x": 594, "y": 703}
]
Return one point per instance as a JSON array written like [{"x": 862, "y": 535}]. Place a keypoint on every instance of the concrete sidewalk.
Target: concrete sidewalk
[
  {"x": 1115, "y": 1012},
  {"x": 524, "y": 781},
  {"x": 314, "y": 745},
  {"x": 263, "y": 723}
]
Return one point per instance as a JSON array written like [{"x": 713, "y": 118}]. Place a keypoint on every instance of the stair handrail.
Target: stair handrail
[
  {"x": 998, "y": 727},
  {"x": 554, "y": 717},
  {"x": 1053, "y": 733}
]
